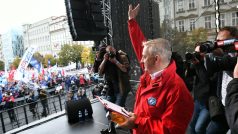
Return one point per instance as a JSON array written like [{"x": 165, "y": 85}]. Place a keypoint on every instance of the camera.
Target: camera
[
  {"x": 191, "y": 56},
  {"x": 228, "y": 45},
  {"x": 207, "y": 47},
  {"x": 111, "y": 55}
]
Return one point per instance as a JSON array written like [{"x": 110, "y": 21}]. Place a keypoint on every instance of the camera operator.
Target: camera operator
[
  {"x": 222, "y": 65},
  {"x": 218, "y": 64},
  {"x": 202, "y": 86},
  {"x": 115, "y": 67},
  {"x": 99, "y": 58}
]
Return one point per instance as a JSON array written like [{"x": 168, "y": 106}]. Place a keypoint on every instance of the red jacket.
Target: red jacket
[{"x": 163, "y": 105}]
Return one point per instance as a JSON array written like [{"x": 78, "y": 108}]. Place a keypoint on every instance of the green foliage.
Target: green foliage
[
  {"x": 64, "y": 55},
  {"x": 38, "y": 57},
  {"x": 197, "y": 35},
  {"x": 2, "y": 65},
  {"x": 49, "y": 57},
  {"x": 16, "y": 62},
  {"x": 182, "y": 41},
  {"x": 87, "y": 56},
  {"x": 73, "y": 53}
]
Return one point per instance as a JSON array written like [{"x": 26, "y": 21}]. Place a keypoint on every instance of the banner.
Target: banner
[
  {"x": 19, "y": 75},
  {"x": 36, "y": 64}
]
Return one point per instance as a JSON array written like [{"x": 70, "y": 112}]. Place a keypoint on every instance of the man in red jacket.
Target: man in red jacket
[{"x": 163, "y": 103}]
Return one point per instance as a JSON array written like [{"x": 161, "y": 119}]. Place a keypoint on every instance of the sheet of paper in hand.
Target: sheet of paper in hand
[{"x": 113, "y": 107}]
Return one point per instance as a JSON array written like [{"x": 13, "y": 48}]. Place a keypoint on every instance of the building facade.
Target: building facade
[
  {"x": 60, "y": 35},
  {"x": 193, "y": 14},
  {"x": 49, "y": 35},
  {"x": 12, "y": 45}
]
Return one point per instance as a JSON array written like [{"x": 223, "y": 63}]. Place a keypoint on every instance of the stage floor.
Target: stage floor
[{"x": 60, "y": 125}]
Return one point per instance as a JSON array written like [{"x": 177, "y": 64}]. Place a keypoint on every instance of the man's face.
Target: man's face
[
  {"x": 223, "y": 35},
  {"x": 148, "y": 60}
]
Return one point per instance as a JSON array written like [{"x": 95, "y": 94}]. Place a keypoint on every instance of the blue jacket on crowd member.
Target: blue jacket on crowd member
[{"x": 0, "y": 96}]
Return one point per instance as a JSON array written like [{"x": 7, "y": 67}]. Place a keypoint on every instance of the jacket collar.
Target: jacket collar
[{"x": 160, "y": 81}]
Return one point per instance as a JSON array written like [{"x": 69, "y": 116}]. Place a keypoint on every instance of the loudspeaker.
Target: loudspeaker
[{"x": 85, "y": 20}]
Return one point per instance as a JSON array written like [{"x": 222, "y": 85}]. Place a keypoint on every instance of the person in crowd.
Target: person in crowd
[
  {"x": 67, "y": 83},
  {"x": 32, "y": 103},
  {"x": 70, "y": 95},
  {"x": 82, "y": 80},
  {"x": 231, "y": 102},
  {"x": 115, "y": 67},
  {"x": 137, "y": 38},
  {"x": 204, "y": 83},
  {"x": 158, "y": 67},
  {"x": 9, "y": 105},
  {"x": 44, "y": 102},
  {"x": 162, "y": 95},
  {"x": 223, "y": 66}
]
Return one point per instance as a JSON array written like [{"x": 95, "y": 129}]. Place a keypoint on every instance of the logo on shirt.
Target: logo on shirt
[{"x": 152, "y": 101}]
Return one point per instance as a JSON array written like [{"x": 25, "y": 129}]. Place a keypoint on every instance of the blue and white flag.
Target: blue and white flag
[
  {"x": 19, "y": 75},
  {"x": 36, "y": 64}
]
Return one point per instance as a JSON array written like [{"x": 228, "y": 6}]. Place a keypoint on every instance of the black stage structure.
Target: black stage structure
[
  {"x": 115, "y": 14},
  {"x": 105, "y": 22}
]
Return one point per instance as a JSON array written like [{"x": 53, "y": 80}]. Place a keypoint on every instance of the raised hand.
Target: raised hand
[{"x": 132, "y": 13}]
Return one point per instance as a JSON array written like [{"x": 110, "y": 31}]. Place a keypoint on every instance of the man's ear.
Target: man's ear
[{"x": 157, "y": 58}]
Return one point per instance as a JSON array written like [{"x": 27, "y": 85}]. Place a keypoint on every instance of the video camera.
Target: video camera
[{"x": 229, "y": 45}]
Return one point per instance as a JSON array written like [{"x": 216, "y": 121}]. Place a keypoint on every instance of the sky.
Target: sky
[{"x": 14, "y": 13}]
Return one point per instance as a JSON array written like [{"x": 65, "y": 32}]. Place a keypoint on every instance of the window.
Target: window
[
  {"x": 191, "y": 4},
  {"x": 180, "y": 5},
  {"x": 192, "y": 24},
  {"x": 222, "y": 20},
  {"x": 181, "y": 26},
  {"x": 207, "y": 2},
  {"x": 208, "y": 22},
  {"x": 234, "y": 19}
]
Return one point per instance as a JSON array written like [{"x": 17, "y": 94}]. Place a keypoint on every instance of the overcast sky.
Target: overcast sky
[{"x": 17, "y": 12}]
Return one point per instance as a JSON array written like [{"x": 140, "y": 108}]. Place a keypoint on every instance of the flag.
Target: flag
[
  {"x": 48, "y": 62},
  {"x": 24, "y": 63},
  {"x": 36, "y": 64}
]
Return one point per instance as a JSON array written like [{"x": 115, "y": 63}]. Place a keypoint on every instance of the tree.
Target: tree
[
  {"x": 182, "y": 42},
  {"x": 87, "y": 56},
  {"x": 38, "y": 57},
  {"x": 175, "y": 37},
  {"x": 197, "y": 35},
  {"x": 75, "y": 55},
  {"x": 16, "y": 62},
  {"x": 49, "y": 57},
  {"x": 2, "y": 65},
  {"x": 64, "y": 55}
]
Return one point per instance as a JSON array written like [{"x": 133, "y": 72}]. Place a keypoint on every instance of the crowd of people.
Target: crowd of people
[{"x": 14, "y": 93}]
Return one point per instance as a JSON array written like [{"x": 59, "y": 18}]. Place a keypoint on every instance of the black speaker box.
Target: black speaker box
[{"x": 85, "y": 20}]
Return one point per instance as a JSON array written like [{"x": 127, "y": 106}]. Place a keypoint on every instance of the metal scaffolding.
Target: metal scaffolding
[{"x": 106, "y": 11}]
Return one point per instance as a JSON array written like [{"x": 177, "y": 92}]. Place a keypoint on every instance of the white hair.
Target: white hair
[{"x": 159, "y": 46}]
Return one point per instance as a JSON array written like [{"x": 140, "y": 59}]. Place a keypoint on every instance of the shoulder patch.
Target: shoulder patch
[{"x": 152, "y": 101}]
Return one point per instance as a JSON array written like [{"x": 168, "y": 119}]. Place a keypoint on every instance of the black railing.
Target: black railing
[{"x": 22, "y": 114}]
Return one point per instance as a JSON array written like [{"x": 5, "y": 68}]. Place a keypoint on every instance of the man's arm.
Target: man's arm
[
  {"x": 102, "y": 67},
  {"x": 136, "y": 35}
]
